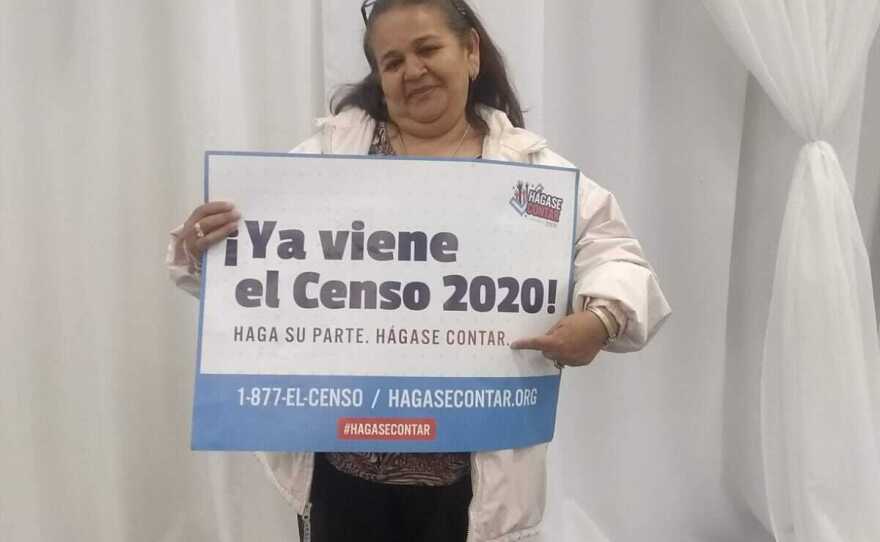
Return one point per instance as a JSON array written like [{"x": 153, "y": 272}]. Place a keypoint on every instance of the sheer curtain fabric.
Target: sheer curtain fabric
[{"x": 821, "y": 363}]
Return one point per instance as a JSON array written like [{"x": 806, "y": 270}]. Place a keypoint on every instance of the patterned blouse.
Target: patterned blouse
[{"x": 426, "y": 469}]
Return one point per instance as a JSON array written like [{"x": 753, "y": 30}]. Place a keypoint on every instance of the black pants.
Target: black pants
[{"x": 349, "y": 509}]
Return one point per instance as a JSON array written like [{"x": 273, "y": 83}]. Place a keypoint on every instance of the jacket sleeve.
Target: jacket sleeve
[
  {"x": 609, "y": 264},
  {"x": 182, "y": 270}
]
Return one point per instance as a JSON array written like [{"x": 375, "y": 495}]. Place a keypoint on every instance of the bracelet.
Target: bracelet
[{"x": 606, "y": 319}]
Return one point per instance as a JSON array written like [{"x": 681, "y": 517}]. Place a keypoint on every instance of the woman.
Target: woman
[{"x": 438, "y": 88}]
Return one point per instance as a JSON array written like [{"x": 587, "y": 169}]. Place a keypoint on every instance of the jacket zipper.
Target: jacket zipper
[
  {"x": 474, "y": 482},
  {"x": 307, "y": 523}
]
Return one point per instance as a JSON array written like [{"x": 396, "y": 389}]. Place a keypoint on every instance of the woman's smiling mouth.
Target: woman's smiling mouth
[{"x": 420, "y": 92}]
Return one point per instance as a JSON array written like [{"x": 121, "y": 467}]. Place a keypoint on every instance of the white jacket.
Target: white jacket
[{"x": 508, "y": 485}]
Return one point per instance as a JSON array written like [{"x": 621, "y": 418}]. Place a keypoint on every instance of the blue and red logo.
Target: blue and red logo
[{"x": 531, "y": 200}]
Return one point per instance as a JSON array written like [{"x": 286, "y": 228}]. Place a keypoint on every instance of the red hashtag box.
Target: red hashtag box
[{"x": 417, "y": 429}]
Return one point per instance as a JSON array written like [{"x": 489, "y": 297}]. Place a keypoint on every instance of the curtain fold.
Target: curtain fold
[{"x": 820, "y": 372}]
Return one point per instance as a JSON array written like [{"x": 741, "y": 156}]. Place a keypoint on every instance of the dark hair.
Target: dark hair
[{"x": 491, "y": 87}]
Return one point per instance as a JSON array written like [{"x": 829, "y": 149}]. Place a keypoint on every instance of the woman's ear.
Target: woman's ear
[{"x": 474, "y": 53}]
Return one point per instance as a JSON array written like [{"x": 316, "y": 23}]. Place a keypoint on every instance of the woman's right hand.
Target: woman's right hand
[{"x": 208, "y": 224}]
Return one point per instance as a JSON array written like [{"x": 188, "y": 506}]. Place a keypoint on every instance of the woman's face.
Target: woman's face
[{"x": 424, "y": 68}]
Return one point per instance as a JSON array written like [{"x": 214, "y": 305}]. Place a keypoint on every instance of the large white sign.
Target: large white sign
[{"x": 369, "y": 303}]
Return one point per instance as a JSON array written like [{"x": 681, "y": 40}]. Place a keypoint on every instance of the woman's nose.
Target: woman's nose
[{"x": 414, "y": 67}]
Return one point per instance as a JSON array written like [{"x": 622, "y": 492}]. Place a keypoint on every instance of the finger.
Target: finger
[
  {"x": 544, "y": 343},
  {"x": 212, "y": 222},
  {"x": 210, "y": 208},
  {"x": 556, "y": 326},
  {"x": 217, "y": 235},
  {"x": 198, "y": 230}
]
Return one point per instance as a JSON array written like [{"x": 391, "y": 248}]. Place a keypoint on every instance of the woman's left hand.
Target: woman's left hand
[{"x": 574, "y": 340}]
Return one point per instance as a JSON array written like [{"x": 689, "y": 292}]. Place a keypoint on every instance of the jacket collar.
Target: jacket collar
[
  {"x": 351, "y": 132},
  {"x": 505, "y": 141}
]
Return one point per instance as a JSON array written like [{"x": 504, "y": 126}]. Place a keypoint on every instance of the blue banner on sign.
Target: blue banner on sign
[{"x": 336, "y": 413}]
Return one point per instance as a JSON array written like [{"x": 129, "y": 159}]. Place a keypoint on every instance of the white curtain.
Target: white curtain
[
  {"x": 105, "y": 110},
  {"x": 819, "y": 402}
]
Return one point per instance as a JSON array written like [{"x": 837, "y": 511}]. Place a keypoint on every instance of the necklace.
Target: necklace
[{"x": 457, "y": 147}]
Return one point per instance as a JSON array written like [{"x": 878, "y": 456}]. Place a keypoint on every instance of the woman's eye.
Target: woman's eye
[
  {"x": 428, "y": 51},
  {"x": 392, "y": 65}
]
